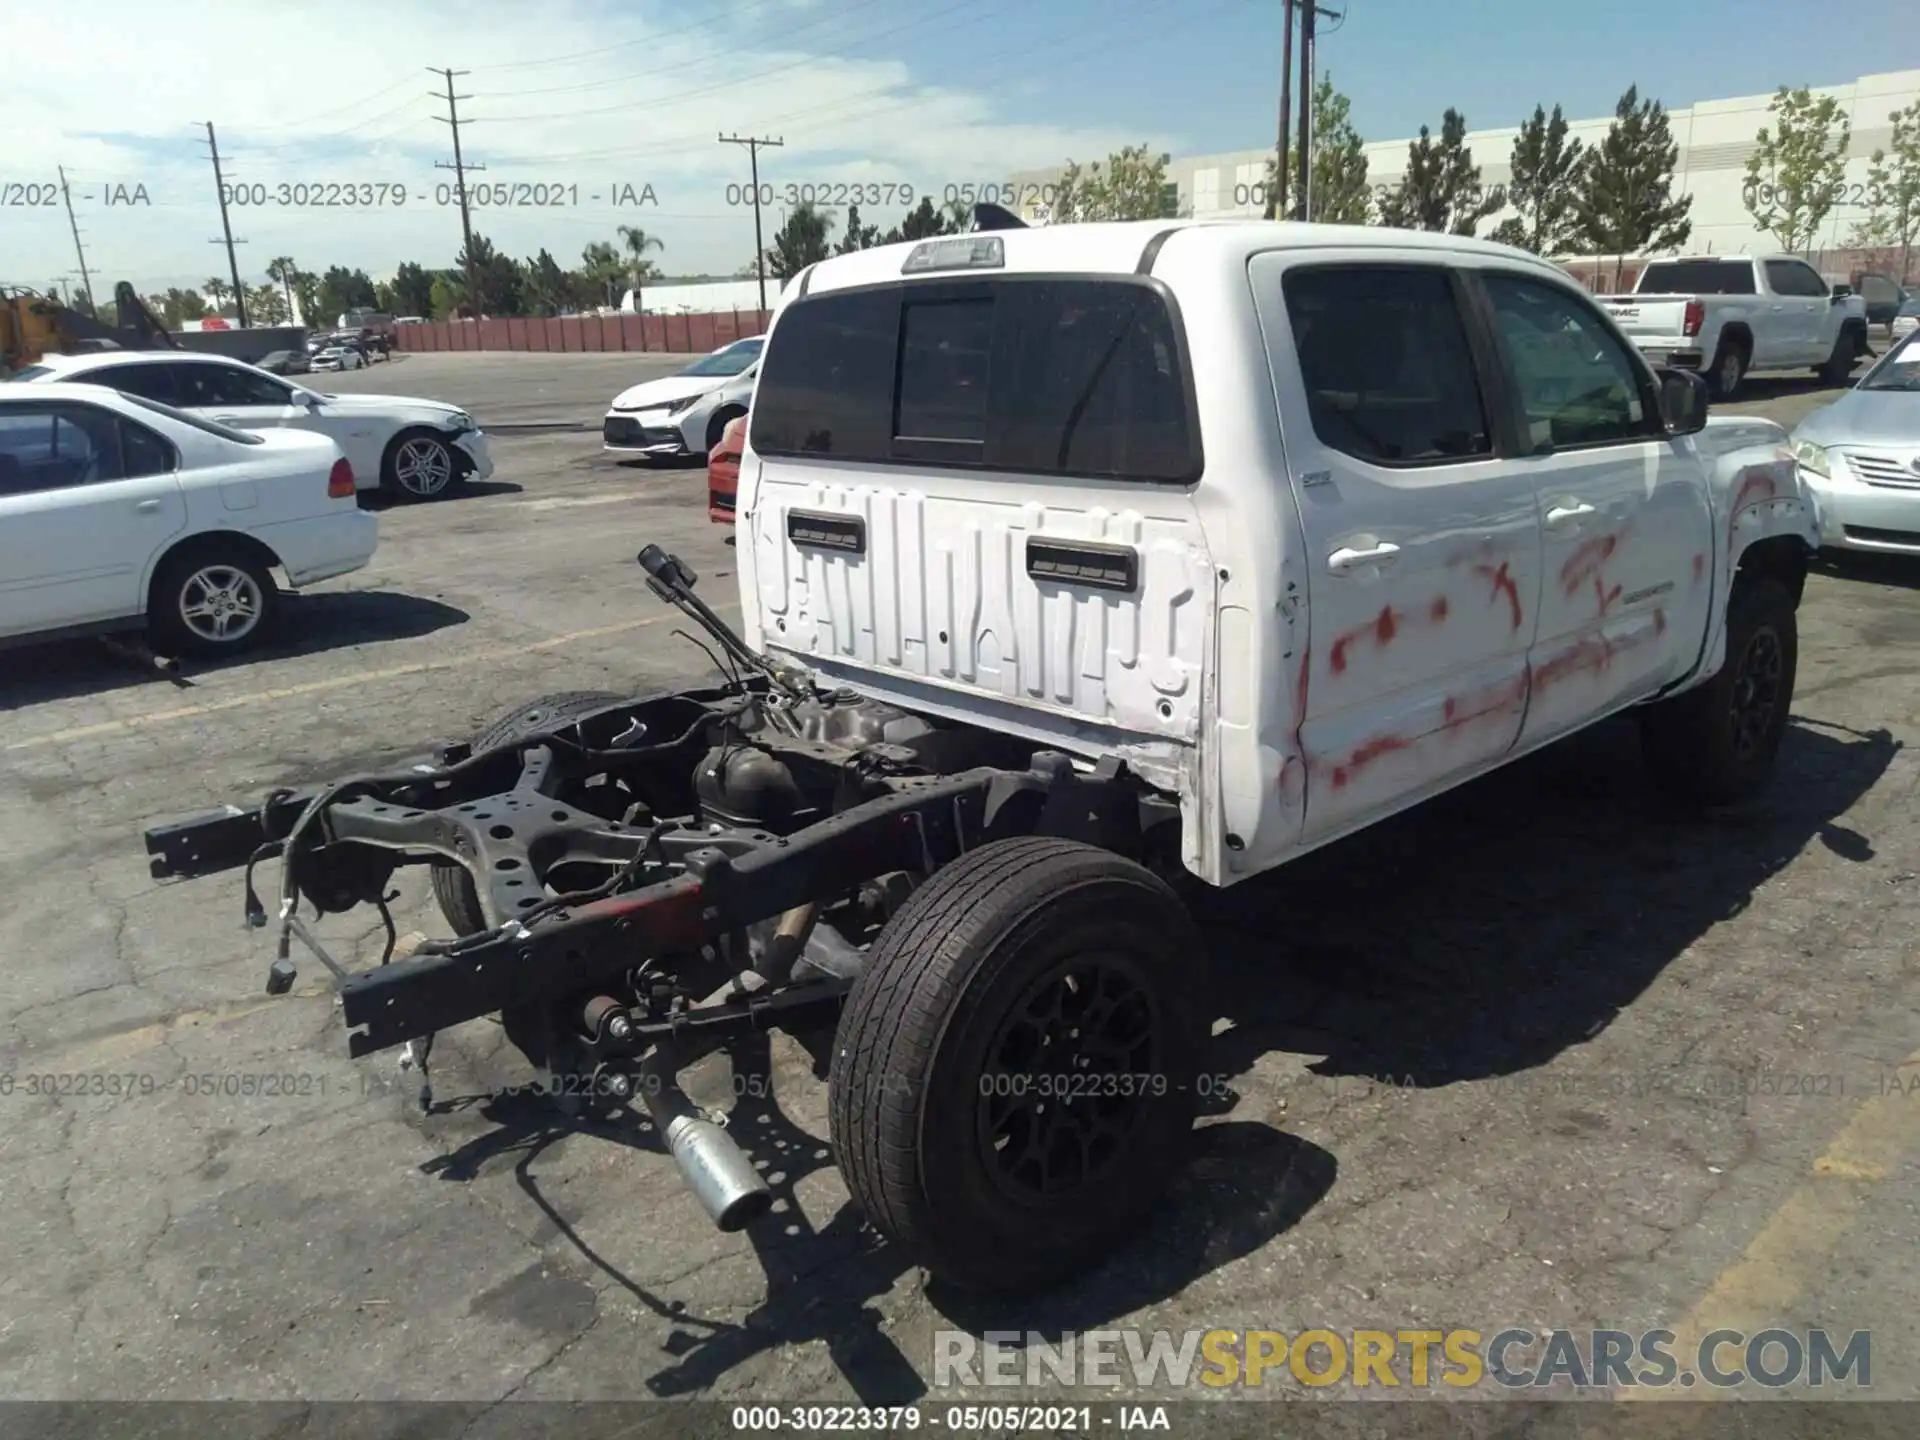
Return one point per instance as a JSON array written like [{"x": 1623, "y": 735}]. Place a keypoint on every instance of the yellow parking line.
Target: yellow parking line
[
  {"x": 338, "y": 682},
  {"x": 1796, "y": 1245}
]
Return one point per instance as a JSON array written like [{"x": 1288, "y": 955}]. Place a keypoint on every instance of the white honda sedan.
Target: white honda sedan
[
  {"x": 117, "y": 513},
  {"x": 411, "y": 449}
]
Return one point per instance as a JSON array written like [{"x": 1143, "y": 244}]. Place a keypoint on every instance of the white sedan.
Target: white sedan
[
  {"x": 685, "y": 413},
  {"x": 337, "y": 357},
  {"x": 118, "y": 513},
  {"x": 412, "y": 449}
]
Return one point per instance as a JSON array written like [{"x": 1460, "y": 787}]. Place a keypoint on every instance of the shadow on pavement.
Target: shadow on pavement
[
  {"x": 379, "y": 500},
  {"x": 1489, "y": 930},
  {"x": 308, "y": 625}
]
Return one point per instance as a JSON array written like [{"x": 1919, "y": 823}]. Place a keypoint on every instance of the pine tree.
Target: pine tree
[
  {"x": 1547, "y": 173},
  {"x": 1441, "y": 189},
  {"x": 1627, "y": 206}
]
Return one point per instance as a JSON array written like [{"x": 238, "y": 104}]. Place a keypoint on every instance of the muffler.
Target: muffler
[{"x": 712, "y": 1163}]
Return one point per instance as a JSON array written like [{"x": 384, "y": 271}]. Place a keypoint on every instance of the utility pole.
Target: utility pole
[
  {"x": 759, "y": 246},
  {"x": 226, "y": 229},
  {"x": 86, "y": 282},
  {"x": 1303, "y": 200},
  {"x": 459, "y": 168},
  {"x": 1277, "y": 192}
]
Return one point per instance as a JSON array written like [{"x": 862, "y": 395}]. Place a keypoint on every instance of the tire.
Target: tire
[
  {"x": 1847, "y": 346},
  {"x": 921, "y": 1051},
  {"x": 420, "y": 465},
  {"x": 1728, "y": 370},
  {"x": 717, "y": 426},
  {"x": 452, "y": 885},
  {"x": 1716, "y": 744},
  {"x": 211, "y": 597}
]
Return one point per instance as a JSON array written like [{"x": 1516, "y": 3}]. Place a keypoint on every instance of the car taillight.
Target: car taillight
[
  {"x": 1695, "y": 317},
  {"x": 340, "y": 481}
]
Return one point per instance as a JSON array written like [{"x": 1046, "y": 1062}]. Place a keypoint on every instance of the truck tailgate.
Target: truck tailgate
[{"x": 1647, "y": 315}]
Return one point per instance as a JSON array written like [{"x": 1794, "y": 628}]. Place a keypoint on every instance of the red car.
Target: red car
[{"x": 723, "y": 471}]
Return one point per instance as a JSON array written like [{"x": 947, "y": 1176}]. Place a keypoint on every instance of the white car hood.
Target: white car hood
[
  {"x": 359, "y": 404},
  {"x": 664, "y": 392}
]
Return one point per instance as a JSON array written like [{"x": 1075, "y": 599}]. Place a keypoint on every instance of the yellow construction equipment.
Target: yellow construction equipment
[{"x": 33, "y": 325}]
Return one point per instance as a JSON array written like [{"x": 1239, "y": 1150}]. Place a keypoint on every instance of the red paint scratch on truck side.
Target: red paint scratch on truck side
[
  {"x": 1587, "y": 561},
  {"x": 1757, "y": 483},
  {"x": 1383, "y": 627},
  {"x": 1603, "y": 596},
  {"x": 1371, "y": 751},
  {"x": 1494, "y": 700},
  {"x": 1502, "y": 582},
  {"x": 1699, "y": 568},
  {"x": 1437, "y": 612}
]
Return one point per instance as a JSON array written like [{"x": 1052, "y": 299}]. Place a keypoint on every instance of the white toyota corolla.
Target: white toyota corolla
[
  {"x": 685, "y": 413},
  {"x": 118, "y": 513},
  {"x": 412, "y": 449}
]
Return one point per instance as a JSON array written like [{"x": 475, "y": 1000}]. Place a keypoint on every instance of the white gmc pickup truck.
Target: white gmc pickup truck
[
  {"x": 1730, "y": 314},
  {"x": 1074, "y": 561}
]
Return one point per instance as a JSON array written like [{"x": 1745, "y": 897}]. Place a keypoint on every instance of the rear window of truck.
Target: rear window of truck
[
  {"x": 1038, "y": 376},
  {"x": 1697, "y": 277}
]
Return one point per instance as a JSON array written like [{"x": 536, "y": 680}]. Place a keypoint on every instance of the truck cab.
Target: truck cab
[
  {"x": 1728, "y": 315},
  {"x": 1307, "y": 524}
]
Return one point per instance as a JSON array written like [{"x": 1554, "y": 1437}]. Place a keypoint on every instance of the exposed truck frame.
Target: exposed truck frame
[{"x": 717, "y": 859}]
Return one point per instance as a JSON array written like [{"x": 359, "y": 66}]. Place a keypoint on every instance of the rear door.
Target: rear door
[
  {"x": 1624, "y": 509},
  {"x": 1800, "y": 304},
  {"x": 86, "y": 499},
  {"x": 1423, "y": 546},
  {"x": 980, "y": 485}
]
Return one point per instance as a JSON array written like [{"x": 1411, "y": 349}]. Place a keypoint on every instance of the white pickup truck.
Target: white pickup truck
[
  {"x": 1731, "y": 314},
  {"x": 1074, "y": 561}
]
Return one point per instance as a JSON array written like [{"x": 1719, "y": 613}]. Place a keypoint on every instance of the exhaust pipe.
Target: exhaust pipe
[{"x": 711, "y": 1161}]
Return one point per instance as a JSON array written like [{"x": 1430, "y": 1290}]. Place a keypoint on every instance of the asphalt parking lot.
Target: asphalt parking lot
[{"x": 1540, "y": 1053}]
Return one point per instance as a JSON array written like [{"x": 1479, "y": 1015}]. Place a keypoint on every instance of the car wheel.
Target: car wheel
[
  {"x": 1847, "y": 346},
  {"x": 211, "y": 599},
  {"x": 1014, "y": 1073},
  {"x": 452, "y": 885},
  {"x": 717, "y": 426},
  {"x": 419, "y": 465},
  {"x": 1716, "y": 744},
  {"x": 1729, "y": 369}
]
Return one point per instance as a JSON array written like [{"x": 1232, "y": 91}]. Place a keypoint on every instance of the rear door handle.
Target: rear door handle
[
  {"x": 1345, "y": 561},
  {"x": 147, "y": 507},
  {"x": 1566, "y": 514}
]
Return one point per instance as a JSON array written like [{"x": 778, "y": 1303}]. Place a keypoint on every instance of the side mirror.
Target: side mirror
[
  {"x": 1840, "y": 292},
  {"x": 1683, "y": 402}
]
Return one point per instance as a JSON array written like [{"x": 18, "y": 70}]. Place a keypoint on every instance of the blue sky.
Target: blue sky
[{"x": 926, "y": 92}]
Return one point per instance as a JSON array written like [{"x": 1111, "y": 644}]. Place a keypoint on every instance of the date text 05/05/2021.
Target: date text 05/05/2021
[
  {"x": 1003, "y": 1419},
  {"x": 393, "y": 194}
]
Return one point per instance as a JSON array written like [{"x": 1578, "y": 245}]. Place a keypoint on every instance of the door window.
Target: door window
[
  {"x": 1575, "y": 382},
  {"x": 55, "y": 447},
  {"x": 1790, "y": 277},
  {"x": 217, "y": 385},
  {"x": 145, "y": 453},
  {"x": 1384, "y": 357},
  {"x": 152, "y": 381}
]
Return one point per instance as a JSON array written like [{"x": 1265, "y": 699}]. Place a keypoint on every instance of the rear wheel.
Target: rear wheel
[
  {"x": 452, "y": 885},
  {"x": 1015, "y": 1071},
  {"x": 211, "y": 598},
  {"x": 1716, "y": 744},
  {"x": 1729, "y": 368}
]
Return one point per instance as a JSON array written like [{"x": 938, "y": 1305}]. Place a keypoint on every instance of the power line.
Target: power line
[
  {"x": 460, "y": 168},
  {"x": 753, "y": 158},
  {"x": 337, "y": 110},
  {"x": 226, "y": 229},
  {"x": 86, "y": 281}
]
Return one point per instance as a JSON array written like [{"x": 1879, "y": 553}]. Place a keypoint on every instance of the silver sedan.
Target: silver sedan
[{"x": 1860, "y": 456}]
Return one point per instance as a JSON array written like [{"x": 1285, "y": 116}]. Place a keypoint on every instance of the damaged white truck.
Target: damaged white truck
[{"x": 1076, "y": 564}]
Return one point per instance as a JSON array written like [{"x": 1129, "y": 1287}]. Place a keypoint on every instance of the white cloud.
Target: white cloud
[{"x": 296, "y": 91}]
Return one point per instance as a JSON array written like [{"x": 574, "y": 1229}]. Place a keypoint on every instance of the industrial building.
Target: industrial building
[{"x": 1715, "y": 139}]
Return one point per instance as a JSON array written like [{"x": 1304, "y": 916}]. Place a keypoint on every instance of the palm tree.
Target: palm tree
[
  {"x": 217, "y": 291},
  {"x": 602, "y": 267},
  {"x": 283, "y": 269},
  {"x": 638, "y": 244}
]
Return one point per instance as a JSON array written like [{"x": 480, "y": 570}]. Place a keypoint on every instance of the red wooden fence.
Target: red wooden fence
[{"x": 674, "y": 334}]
